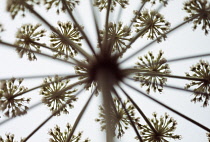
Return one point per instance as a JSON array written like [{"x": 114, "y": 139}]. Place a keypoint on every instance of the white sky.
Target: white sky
[{"x": 181, "y": 43}]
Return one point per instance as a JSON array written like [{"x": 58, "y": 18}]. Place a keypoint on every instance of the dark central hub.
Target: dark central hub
[{"x": 107, "y": 64}]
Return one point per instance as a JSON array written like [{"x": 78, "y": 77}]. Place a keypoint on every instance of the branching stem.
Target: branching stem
[
  {"x": 151, "y": 73},
  {"x": 169, "y": 108},
  {"x": 53, "y": 114},
  {"x": 42, "y": 54},
  {"x": 139, "y": 110},
  {"x": 129, "y": 117},
  {"x": 79, "y": 27},
  {"x": 67, "y": 40},
  {"x": 79, "y": 118}
]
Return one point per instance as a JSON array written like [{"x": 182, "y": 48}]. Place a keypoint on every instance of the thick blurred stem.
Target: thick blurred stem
[
  {"x": 106, "y": 81},
  {"x": 105, "y": 40}
]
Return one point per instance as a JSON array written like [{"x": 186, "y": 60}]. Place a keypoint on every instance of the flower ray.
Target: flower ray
[{"x": 169, "y": 108}]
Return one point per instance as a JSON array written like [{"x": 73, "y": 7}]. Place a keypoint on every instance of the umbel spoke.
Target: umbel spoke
[
  {"x": 33, "y": 76},
  {"x": 46, "y": 84},
  {"x": 188, "y": 57},
  {"x": 129, "y": 117},
  {"x": 42, "y": 54},
  {"x": 79, "y": 27},
  {"x": 150, "y": 73},
  {"x": 154, "y": 41},
  {"x": 53, "y": 114},
  {"x": 173, "y": 87},
  {"x": 119, "y": 15},
  {"x": 79, "y": 117},
  {"x": 96, "y": 23},
  {"x": 29, "y": 109},
  {"x": 140, "y": 8},
  {"x": 139, "y": 110},
  {"x": 169, "y": 108},
  {"x": 45, "y": 46},
  {"x": 102, "y": 70},
  {"x": 68, "y": 41},
  {"x": 105, "y": 40}
]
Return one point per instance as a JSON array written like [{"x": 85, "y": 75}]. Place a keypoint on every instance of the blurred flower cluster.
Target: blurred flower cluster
[
  {"x": 11, "y": 104},
  {"x": 55, "y": 94},
  {"x": 103, "y": 4},
  {"x": 164, "y": 128},
  {"x": 58, "y": 136},
  {"x": 119, "y": 118},
  {"x": 27, "y": 36},
  {"x": 152, "y": 66},
  {"x": 201, "y": 88},
  {"x": 201, "y": 10}
]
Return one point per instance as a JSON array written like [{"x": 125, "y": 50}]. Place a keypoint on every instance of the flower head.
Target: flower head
[
  {"x": 26, "y": 36},
  {"x": 58, "y": 136},
  {"x": 165, "y": 2},
  {"x": 202, "y": 91},
  {"x": 1, "y": 30},
  {"x": 119, "y": 118},
  {"x": 117, "y": 36},
  {"x": 11, "y": 105},
  {"x": 54, "y": 97},
  {"x": 83, "y": 71},
  {"x": 60, "y": 7},
  {"x": 155, "y": 66},
  {"x": 200, "y": 8},
  {"x": 208, "y": 135},
  {"x": 152, "y": 24},
  {"x": 164, "y": 127},
  {"x": 70, "y": 31},
  {"x": 15, "y": 6},
  {"x": 103, "y": 4},
  {"x": 9, "y": 138}
]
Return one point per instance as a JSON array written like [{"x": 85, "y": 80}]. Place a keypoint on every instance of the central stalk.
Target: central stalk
[
  {"x": 106, "y": 81},
  {"x": 108, "y": 65},
  {"x": 105, "y": 71}
]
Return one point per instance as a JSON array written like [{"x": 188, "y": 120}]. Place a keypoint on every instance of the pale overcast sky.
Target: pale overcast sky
[{"x": 183, "y": 42}]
